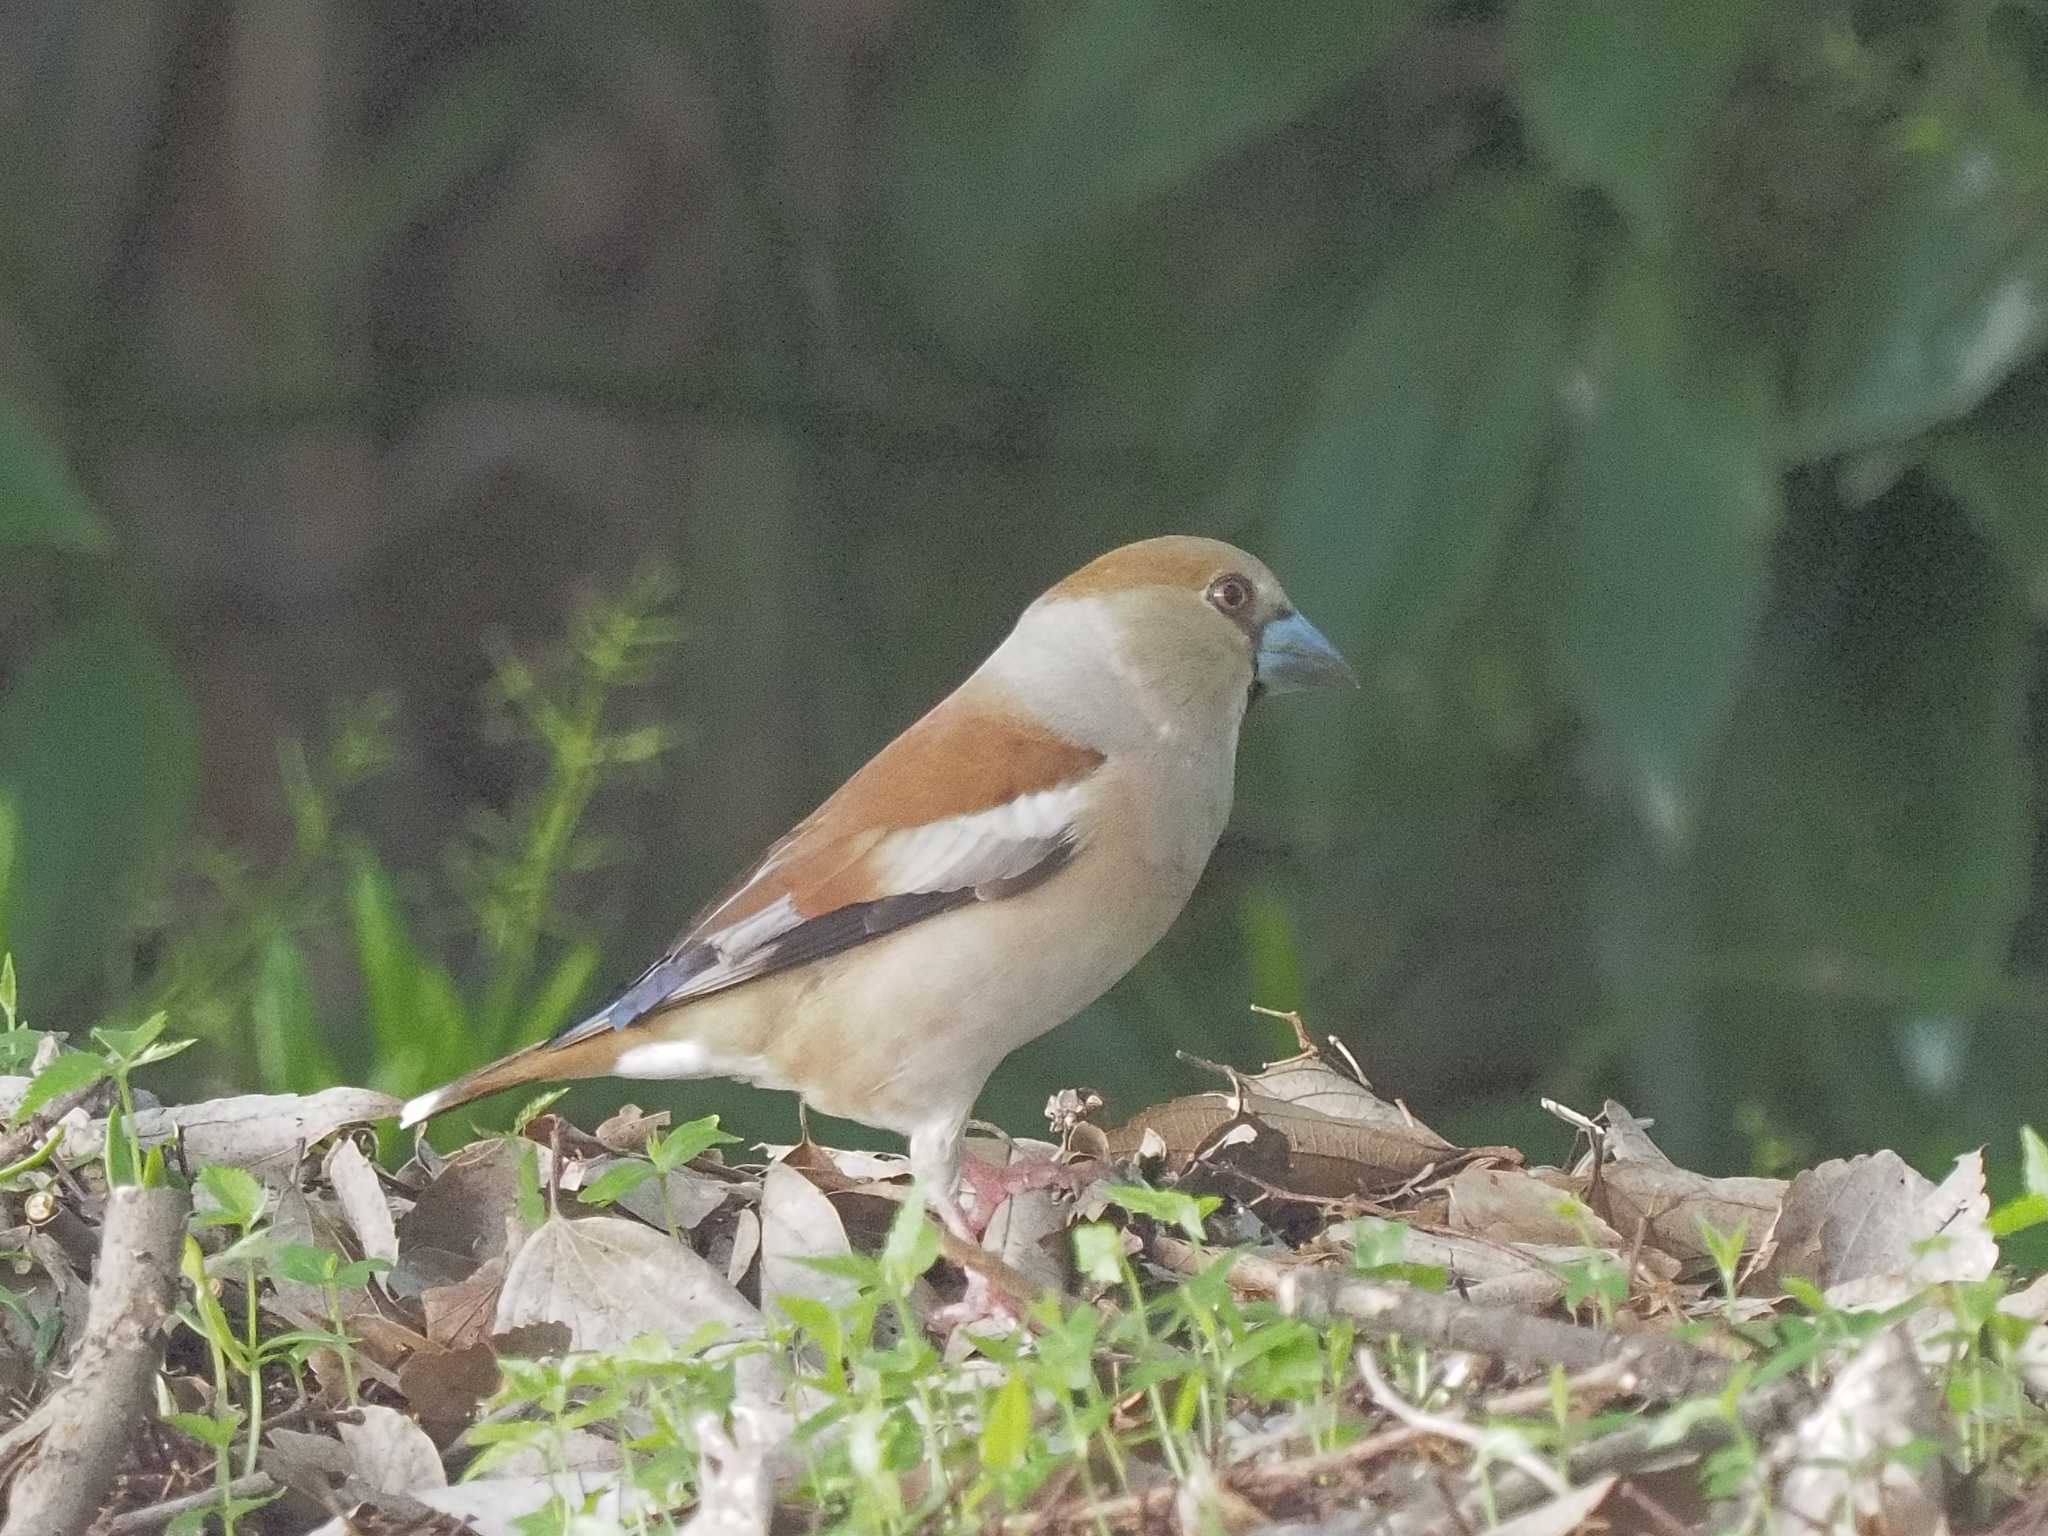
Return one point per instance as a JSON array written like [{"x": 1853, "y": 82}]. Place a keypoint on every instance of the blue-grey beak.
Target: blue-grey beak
[{"x": 1293, "y": 654}]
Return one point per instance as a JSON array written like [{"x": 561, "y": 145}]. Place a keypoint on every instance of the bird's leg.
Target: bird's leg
[{"x": 935, "y": 1164}]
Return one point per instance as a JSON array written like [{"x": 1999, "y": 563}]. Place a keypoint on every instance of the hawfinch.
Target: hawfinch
[{"x": 991, "y": 872}]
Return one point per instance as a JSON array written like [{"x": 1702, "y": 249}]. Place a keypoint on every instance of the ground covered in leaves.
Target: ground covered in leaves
[{"x": 1282, "y": 1305}]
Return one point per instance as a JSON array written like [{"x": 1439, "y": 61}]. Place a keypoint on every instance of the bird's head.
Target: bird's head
[{"x": 1186, "y": 629}]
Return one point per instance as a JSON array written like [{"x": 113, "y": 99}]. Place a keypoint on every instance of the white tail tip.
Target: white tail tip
[{"x": 423, "y": 1107}]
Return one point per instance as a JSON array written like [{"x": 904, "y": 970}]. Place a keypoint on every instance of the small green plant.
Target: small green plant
[
  {"x": 1378, "y": 1252},
  {"x": 237, "y": 1349},
  {"x": 2030, "y": 1207},
  {"x": 235, "y": 973},
  {"x": 532, "y": 961},
  {"x": 665, "y": 1154},
  {"x": 17, "y": 1041},
  {"x": 1596, "y": 1281},
  {"x": 1725, "y": 1249},
  {"x": 120, "y": 1054},
  {"x": 326, "y": 1270},
  {"x": 655, "y": 1394}
]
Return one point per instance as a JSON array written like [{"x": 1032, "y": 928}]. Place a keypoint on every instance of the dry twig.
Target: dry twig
[
  {"x": 1658, "y": 1367},
  {"x": 154, "y": 1517},
  {"x": 83, "y": 1431},
  {"x": 1458, "y": 1431}
]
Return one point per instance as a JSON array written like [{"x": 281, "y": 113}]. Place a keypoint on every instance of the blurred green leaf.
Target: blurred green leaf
[
  {"x": 1865, "y": 849},
  {"x": 99, "y": 760},
  {"x": 1995, "y": 464},
  {"x": 67, "y": 1074},
  {"x": 291, "y": 1047},
  {"x": 455, "y": 131},
  {"x": 237, "y": 1196},
  {"x": 1006, "y": 1427},
  {"x": 1664, "y": 501},
  {"x": 218, "y": 1433},
  {"x": 305, "y": 1264},
  {"x": 1616, "y": 95},
  {"x": 41, "y": 501},
  {"x": 693, "y": 1138},
  {"x": 559, "y": 993},
  {"x": 1174, "y": 1206},
  {"x": 1942, "y": 288},
  {"x": 1099, "y": 1252},
  {"x": 616, "y": 1182},
  {"x": 1420, "y": 450},
  {"x": 2030, "y": 1208},
  {"x": 1108, "y": 105},
  {"x": 417, "y": 1017},
  {"x": 125, "y": 1045},
  {"x": 1272, "y": 941},
  {"x": 535, "y": 1107},
  {"x": 912, "y": 1247},
  {"x": 533, "y": 1205}
]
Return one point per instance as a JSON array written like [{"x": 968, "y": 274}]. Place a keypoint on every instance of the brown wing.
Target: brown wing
[{"x": 959, "y": 808}]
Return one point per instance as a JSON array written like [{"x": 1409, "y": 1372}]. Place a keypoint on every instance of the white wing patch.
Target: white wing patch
[
  {"x": 750, "y": 933},
  {"x": 972, "y": 855},
  {"x": 997, "y": 844}
]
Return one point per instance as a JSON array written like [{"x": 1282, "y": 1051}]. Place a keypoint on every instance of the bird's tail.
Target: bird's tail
[{"x": 549, "y": 1061}]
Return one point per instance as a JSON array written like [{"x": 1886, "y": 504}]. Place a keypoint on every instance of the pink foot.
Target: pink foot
[
  {"x": 983, "y": 1303},
  {"x": 993, "y": 1184}
]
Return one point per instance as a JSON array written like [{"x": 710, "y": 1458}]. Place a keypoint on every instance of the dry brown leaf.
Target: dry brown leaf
[
  {"x": 308, "y": 1464},
  {"x": 1329, "y": 1158},
  {"x": 1628, "y": 1139},
  {"x": 444, "y": 1386},
  {"x": 746, "y": 1246},
  {"x": 1314, "y": 1081},
  {"x": 799, "y": 1224},
  {"x": 460, "y": 1315},
  {"x": 502, "y": 1506},
  {"x": 1673, "y": 1206},
  {"x": 1871, "y": 1230},
  {"x": 1509, "y": 1274},
  {"x": 609, "y": 1280},
  {"x": 1562, "y": 1515},
  {"x": 296, "y": 1219},
  {"x": 1023, "y": 1232},
  {"x": 825, "y": 1164},
  {"x": 48, "y": 1285},
  {"x": 1640, "y": 1190},
  {"x": 363, "y": 1202},
  {"x": 464, "y": 1218},
  {"x": 1517, "y": 1205},
  {"x": 389, "y": 1453},
  {"x": 626, "y": 1132}
]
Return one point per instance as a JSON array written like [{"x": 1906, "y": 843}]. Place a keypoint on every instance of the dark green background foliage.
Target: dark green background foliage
[{"x": 1649, "y": 397}]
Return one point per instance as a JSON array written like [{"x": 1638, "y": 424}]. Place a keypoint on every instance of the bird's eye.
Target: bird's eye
[{"x": 1230, "y": 594}]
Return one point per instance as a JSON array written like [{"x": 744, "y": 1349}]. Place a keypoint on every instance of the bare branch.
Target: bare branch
[{"x": 86, "y": 1427}]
